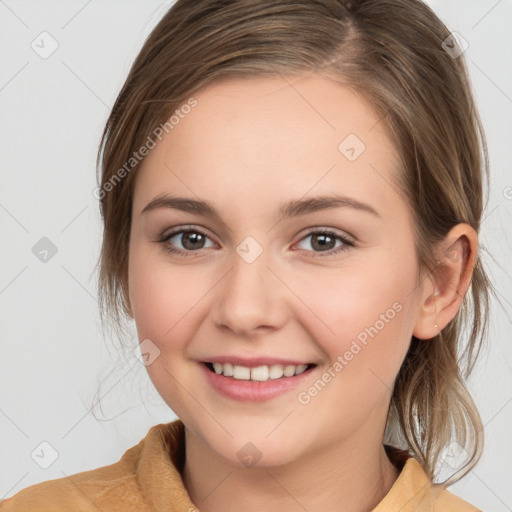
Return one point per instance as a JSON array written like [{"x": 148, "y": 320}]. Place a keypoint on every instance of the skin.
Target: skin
[{"x": 247, "y": 147}]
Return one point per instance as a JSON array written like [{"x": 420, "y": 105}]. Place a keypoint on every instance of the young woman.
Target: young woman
[{"x": 291, "y": 195}]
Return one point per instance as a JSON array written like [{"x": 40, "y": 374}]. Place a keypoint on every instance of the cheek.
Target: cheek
[
  {"x": 165, "y": 302},
  {"x": 163, "y": 298},
  {"x": 366, "y": 319}
]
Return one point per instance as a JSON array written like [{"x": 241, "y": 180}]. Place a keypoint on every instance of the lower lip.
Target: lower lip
[{"x": 253, "y": 391}]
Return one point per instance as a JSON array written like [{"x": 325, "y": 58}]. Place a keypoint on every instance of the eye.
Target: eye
[
  {"x": 191, "y": 240},
  {"x": 323, "y": 243}
]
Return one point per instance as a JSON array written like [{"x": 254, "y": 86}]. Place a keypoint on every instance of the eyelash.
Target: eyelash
[{"x": 345, "y": 241}]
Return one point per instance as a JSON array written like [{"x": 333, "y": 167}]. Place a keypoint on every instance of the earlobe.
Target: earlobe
[{"x": 444, "y": 291}]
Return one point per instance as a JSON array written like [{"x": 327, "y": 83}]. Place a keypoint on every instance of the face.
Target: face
[{"x": 306, "y": 261}]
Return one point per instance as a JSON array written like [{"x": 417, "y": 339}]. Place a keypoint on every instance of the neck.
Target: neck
[{"x": 354, "y": 473}]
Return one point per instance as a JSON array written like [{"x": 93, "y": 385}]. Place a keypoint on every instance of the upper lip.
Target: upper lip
[{"x": 252, "y": 362}]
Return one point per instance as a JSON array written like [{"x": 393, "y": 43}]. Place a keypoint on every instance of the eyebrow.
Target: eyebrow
[{"x": 294, "y": 208}]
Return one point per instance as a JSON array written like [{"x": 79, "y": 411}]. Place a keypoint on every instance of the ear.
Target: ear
[{"x": 442, "y": 293}]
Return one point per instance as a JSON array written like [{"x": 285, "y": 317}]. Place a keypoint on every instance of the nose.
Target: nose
[{"x": 250, "y": 299}]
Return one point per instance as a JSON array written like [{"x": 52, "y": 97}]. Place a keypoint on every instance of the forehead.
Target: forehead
[{"x": 289, "y": 134}]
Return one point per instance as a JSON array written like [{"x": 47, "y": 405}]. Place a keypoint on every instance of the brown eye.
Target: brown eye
[
  {"x": 323, "y": 242},
  {"x": 326, "y": 242},
  {"x": 190, "y": 240}
]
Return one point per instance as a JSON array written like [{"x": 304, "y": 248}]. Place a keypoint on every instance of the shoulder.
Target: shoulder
[
  {"x": 413, "y": 491},
  {"x": 110, "y": 488},
  {"x": 445, "y": 500}
]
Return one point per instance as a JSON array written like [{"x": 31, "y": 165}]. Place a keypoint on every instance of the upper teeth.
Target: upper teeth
[{"x": 260, "y": 373}]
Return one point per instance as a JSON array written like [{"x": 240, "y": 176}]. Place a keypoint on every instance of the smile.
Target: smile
[
  {"x": 256, "y": 383},
  {"x": 258, "y": 373}
]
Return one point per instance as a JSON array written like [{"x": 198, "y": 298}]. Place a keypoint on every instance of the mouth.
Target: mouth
[{"x": 260, "y": 373}]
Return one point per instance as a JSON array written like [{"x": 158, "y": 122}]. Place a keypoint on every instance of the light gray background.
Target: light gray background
[{"x": 53, "y": 354}]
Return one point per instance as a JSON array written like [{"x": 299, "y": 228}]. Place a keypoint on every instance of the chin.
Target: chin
[{"x": 255, "y": 451}]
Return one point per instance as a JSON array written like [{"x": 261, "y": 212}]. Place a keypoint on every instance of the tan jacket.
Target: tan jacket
[{"x": 147, "y": 479}]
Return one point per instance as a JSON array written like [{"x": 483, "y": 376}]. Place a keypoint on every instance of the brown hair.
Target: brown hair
[{"x": 392, "y": 52}]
